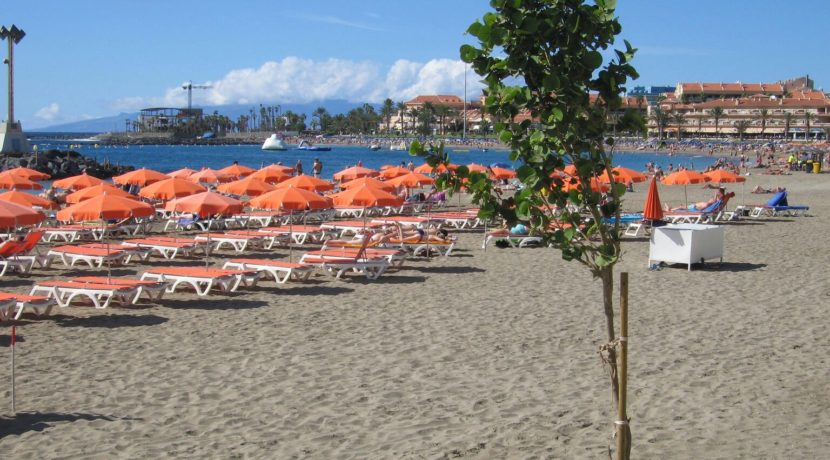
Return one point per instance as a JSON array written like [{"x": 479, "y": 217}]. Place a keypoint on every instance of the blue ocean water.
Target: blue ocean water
[{"x": 167, "y": 158}]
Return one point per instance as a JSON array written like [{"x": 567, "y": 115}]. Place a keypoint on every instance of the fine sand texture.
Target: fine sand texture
[{"x": 485, "y": 354}]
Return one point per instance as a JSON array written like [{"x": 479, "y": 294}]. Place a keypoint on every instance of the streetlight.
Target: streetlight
[{"x": 11, "y": 133}]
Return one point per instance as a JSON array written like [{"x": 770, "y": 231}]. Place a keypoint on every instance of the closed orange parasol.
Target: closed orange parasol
[
  {"x": 28, "y": 173},
  {"x": 412, "y": 179},
  {"x": 172, "y": 188},
  {"x": 502, "y": 173},
  {"x": 100, "y": 189},
  {"x": 27, "y": 199},
  {"x": 624, "y": 175},
  {"x": 394, "y": 171},
  {"x": 206, "y": 204},
  {"x": 365, "y": 197},
  {"x": 140, "y": 177},
  {"x": 249, "y": 186},
  {"x": 77, "y": 182},
  {"x": 355, "y": 172},
  {"x": 368, "y": 181},
  {"x": 182, "y": 173},
  {"x": 209, "y": 176},
  {"x": 653, "y": 210},
  {"x": 274, "y": 173},
  {"x": 14, "y": 182},
  {"x": 237, "y": 171},
  {"x": 290, "y": 198},
  {"x": 12, "y": 215},
  {"x": 723, "y": 176},
  {"x": 308, "y": 183},
  {"x": 105, "y": 206}
]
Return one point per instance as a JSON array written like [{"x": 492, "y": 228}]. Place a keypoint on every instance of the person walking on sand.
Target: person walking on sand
[{"x": 317, "y": 167}]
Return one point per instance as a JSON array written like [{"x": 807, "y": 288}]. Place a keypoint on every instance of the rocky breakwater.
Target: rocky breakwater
[{"x": 60, "y": 164}]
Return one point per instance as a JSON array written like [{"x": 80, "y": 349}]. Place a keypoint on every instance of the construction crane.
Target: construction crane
[{"x": 190, "y": 87}]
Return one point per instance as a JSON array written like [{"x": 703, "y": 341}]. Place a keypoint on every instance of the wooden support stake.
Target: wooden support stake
[{"x": 623, "y": 430}]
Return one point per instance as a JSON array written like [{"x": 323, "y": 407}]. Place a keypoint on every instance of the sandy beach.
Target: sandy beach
[{"x": 485, "y": 354}]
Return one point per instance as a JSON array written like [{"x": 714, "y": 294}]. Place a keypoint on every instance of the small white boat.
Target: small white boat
[
  {"x": 275, "y": 142},
  {"x": 374, "y": 147},
  {"x": 401, "y": 146}
]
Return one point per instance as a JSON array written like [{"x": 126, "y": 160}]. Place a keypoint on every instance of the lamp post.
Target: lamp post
[{"x": 11, "y": 133}]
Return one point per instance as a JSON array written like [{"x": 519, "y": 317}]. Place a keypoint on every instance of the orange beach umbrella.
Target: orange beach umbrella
[
  {"x": 394, "y": 171},
  {"x": 368, "y": 181},
  {"x": 274, "y": 173},
  {"x": 365, "y": 197},
  {"x": 290, "y": 198},
  {"x": 623, "y": 175},
  {"x": 355, "y": 172},
  {"x": 249, "y": 186},
  {"x": 237, "y": 171},
  {"x": 140, "y": 177},
  {"x": 474, "y": 167},
  {"x": 28, "y": 173},
  {"x": 209, "y": 176},
  {"x": 723, "y": 176},
  {"x": 169, "y": 189},
  {"x": 685, "y": 177},
  {"x": 12, "y": 215},
  {"x": 502, "y": 173},
  {"x": 412, "y": 179},
  {"x": 205, "y": 204},
  {"x": 27, "y": 199},
  {"x": 311, "y": 183},
  {"x": 78, "y": 182},
  {"x": 105, "y": 206},
  {"x": 100, "y": 189},
  {"x": 652, "y": 209},
  {"x": 12, "y": 181},
  {"x": 182, "y": 173},
  {"x": 427, "y": 169}
]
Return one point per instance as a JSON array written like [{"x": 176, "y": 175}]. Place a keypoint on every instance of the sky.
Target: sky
[{"x": 92, "y": 58}]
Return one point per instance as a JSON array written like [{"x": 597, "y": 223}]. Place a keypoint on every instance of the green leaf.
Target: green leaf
[
  {"x": 469, "y": 53},
  {"x": 505, "y": 136},
  {"x": 592, "y": 59}
]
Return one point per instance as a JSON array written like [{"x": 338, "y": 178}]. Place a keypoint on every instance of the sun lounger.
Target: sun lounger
[
  {"x": 298, "y": 233},
  {"x": 349, "y": 227},
  {"x": 94, "y": 257},
  {"x": 410, "y": 221},
  {"x": 420, "y": 247},
  {"x": 516, "y": 241},
  {"x": 39, "y": 305},
  {"x": 133, "y": 253},
  {"x": 777, "y": 206},
  {"x": 166, "y": 249},
  {"x": 707, "y": 214},
  {"x": 281, "y": 271},
  {"x": 203, "y": 279},
  {"x": 154, "y": 289},
  {"x": 101, "y": 295},
  {"x": 9, "y": 259},
  {"x": 237, "y": 242},
  {"x": 265, "y": 239},
  {"x": 458, "y": 220},
  {"x": 67, "y": 234},
  {"x": 337, "y": 265},
  {"x": 394, "y": 257}
]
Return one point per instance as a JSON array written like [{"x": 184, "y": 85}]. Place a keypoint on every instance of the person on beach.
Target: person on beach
[
  {"x": 317, "y": 167},
  {"x": 720, "y": 196},
  {"x": 299, "y": 168}
]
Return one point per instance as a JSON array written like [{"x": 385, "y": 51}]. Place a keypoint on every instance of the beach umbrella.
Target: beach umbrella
[
  {"x": 14, "y": 182},
  {"x": 290, "y": 199},
  {"x": 206, "y": 204},
  {"x": 27, "y": 199},
  {"x": 13, "y": 214},
  {"x": 474, "y": 167},
  {"x": 652, "y": 210},
  {"x": 28, "y": 173},
  {"x": 169, "y": 189},
  {"x": 393, "y": 172},
  {"x": 355, "y": 172},
  {"x": 105, "y": 206},
  {"x": 182, "y": 173},
  {"x": 100, "y": 189},
  {"x": 427, "y": 169},
  {"x": 685, "y": 177},
  {"x": 502, "y": 173},
  {"x": 237, "y": 171},
  {"x": 311, "y": 183},
  {"x": 623, "y": 175},
  {"x": 723, "y": 176},
  {"x": 411, "y": 179},
  {"x": 573, "y": 183},
  {"x": 365, "y": 197},
  {"x": 249, "y": 186},
  {"x": 78, "y": 182},
  {"x": 273, "y": 173},
  {"x": 140, "y": 177},
  {"x": 368, "y": 181},
  {"x": 209, "y": 176}
]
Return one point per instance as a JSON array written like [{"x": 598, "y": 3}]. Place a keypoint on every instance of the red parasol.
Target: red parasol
[{"x": 653, "y": 210}]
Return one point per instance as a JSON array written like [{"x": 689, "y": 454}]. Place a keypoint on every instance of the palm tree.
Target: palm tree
[
  {"x": 401, "y": 108},
  {"x": 717, "y": 113},
  {"x": 413, "y": 114},
  {"x": 741, "y": 126},
  {"x": 788, "y": 119},
  {"x": 764, "y": 115},
  {"x": 386, "y": 112},
  {"x": 320, "y": 113},
  {"x": 661, "y": 119},
  {"x": 679, "y": 119},
  {"x": 808, "y": 116}
]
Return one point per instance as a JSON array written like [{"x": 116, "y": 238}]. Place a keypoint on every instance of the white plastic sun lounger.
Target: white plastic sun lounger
[
  {"x": 94, "y": 257},
  {"x": 338, "y": 266},
  {"x": 101, "y": 295},
  {"x": 203, "y": 279},
  {"x": 154, "y": 290},
  {"x": 9, "y": 302},
  {"x": 237, "y": 242},
  {"x": 281, "y": 271}
]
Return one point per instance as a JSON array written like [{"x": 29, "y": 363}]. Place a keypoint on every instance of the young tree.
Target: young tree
[
  {"x": 543, "y": 58},
  {"x": 741, "y": 126},
  {"x": 717, "y": 113},
  {"x": 764, "y": 115},
  {"x": 679, "y": 119}
]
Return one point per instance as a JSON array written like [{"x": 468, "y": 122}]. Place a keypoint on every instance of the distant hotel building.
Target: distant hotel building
[{"x": 650, "y": 93}]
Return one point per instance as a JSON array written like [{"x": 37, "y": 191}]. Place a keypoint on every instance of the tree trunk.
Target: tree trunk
[{"x": 607, "y": 276}]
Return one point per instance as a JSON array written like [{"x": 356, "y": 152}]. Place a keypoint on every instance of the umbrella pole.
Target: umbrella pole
[
  {"x": 207, "y": 250},
  {"x": 290, "y": 234},
  {"x": 686, "y": 195},
  {"x": 13, "y": 341},
  {"x": 484, "y": 245}
]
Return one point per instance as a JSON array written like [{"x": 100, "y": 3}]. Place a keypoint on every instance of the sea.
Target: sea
[{"x": 168, "y": 158}]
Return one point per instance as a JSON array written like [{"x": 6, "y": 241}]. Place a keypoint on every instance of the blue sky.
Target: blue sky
[{"x": 91, "y": 58}]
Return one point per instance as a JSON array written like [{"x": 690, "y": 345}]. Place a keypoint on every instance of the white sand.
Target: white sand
[{"x": 482, "y": 355}]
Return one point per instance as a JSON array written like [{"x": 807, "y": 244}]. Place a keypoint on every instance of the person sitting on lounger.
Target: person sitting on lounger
[
  {"x": 720, "y": 194},
  {"x": 759, "y": 189}
]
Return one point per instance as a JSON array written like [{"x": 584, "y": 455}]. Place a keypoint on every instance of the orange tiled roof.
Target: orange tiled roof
[
  {"x": 775, "y": 88},
  {"x": 437, "y": 100}
]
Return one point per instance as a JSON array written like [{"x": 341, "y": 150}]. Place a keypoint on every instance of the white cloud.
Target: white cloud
[
  {"x": 49, "y": 113},
  {"x": 298, "y": 80}
]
